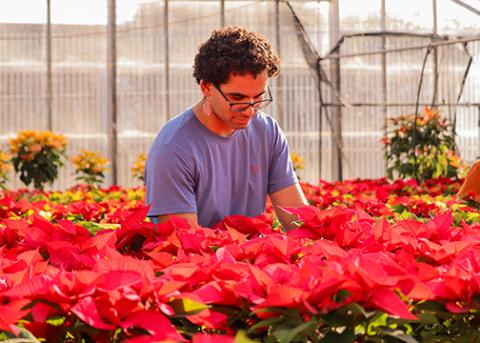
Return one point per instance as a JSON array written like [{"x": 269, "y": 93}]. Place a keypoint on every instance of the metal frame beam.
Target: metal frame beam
[
  {"x": 467, "y": 6},
  {"x": 112, "y": 88},
  {"x": 49, "y": 88},
  {"x": 336, "y": 112}
]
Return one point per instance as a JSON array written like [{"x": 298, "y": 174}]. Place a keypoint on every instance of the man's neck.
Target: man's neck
[{"x": 211, "y": 121}]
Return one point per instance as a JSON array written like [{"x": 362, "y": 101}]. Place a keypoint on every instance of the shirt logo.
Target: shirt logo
[{"x": 254, "y": 168}]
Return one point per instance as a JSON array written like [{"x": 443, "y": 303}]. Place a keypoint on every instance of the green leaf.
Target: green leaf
[
  {"x": 302, "y": 330},
  {"x": 399, "y": 335},
  {"x": 428, "y": 318},
  {"x": 398, "y": 208},
  {"x": 187, "y": 307},
  {"x": 24, "y": 336},
  {"x": 356, "y": 311},
  {"x": 281, "y": 333},
  {"x": 468, "y": 337},
  {"x": 341, "y": 296},
  {"x": 346, "y": 336},
  {"x": 380, "y": 320},
  {"x": 56, "y": 320},
  {"x": 241, "y": 337},
  {"x": 93, "y": 227},
  {"x": 431, "y": 306},
  {"x": 264, "y": 324},
  {"x": 405, "y": 215}
]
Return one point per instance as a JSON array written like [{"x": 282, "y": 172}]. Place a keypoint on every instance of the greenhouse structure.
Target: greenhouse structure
[
  {"x": 109, "y": 82},
  {"x": 348, "y": 211}
]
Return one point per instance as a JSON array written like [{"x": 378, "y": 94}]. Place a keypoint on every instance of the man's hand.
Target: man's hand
[{"x": 291, "y": 196}]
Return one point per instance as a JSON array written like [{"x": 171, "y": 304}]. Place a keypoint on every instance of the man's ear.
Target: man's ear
[{"x": 206, "y": 88}]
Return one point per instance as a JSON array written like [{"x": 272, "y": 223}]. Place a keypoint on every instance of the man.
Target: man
[{"x": 223, "y": 155}]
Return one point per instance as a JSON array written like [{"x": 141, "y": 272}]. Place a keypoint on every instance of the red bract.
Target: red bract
[
  {"x": 126, "y": 269},
  {"x": 156, "y": 324},
  {"x": 87, "y": 311},
  {"x": 11, "y": 313},
  {"x": 388, "y": 301},
  {"x": 260, "y": 224},
  {"x": 284, "y": 296},
  {"x": 271, "y": 249}
]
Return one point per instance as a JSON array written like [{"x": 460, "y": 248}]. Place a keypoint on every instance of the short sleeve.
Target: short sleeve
[
  {"x": 169, "y": 178},
  {"x": 281, "y": 173}
]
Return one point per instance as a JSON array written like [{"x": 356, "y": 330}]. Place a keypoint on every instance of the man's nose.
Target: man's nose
[{"x": 250, "y": 110}]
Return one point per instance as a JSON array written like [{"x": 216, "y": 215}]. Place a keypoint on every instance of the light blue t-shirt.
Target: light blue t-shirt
[{"x": 191, "y": 169}]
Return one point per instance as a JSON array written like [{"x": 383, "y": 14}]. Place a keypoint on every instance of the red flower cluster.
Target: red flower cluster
[{"x": 145, "y": 282}]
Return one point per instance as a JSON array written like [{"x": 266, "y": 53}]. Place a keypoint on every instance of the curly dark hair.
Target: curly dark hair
[{"x": 234, "y": 49}]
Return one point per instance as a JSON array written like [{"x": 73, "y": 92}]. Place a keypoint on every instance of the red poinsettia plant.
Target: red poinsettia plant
[{"x": 371, "y": 260}]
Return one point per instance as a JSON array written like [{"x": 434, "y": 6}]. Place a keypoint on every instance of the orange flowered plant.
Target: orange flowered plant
[
  {"x": 5, "y": 168},
  {"x": 90, "y": 167},
  {"x": 37, "y": 156},
  {"x": 138, "y": 167},
  {"x": 423, "y": 148}
]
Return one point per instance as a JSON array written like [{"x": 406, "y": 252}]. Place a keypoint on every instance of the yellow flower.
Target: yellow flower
[
  {"x": 138, "y": 167},
  {"x": 297, "y": 161},
  {"x": 5, "y": 165},
  {"x": 90, "y": 162},
  {"x": 89, "y": 166},
  {"x": 34, "y": 142},
  {"x": 457, "y": 162}
]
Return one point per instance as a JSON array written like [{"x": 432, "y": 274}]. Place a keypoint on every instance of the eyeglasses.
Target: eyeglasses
[{"x": 243, "y": 106}]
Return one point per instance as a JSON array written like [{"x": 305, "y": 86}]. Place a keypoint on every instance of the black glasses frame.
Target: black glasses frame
[{"x": 245, "y": 105}]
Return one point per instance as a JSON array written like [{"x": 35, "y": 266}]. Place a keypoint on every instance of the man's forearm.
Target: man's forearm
[{"x": 291, "y": 196}]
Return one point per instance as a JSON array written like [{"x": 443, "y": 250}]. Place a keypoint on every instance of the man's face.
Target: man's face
[{"x": 238, "y": 89}]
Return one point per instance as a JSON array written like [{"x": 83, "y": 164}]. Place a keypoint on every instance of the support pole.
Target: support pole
[
  {"x": 49, "y": 87},
  {"x": 279, "y": 88},
  {"x": 167, "y": 58},
  {"x": 320, "y": 119},
  {"x": 435, "y": 55},
  {"x": 334, "y": 23},
  {"x": 478, "y": 134},
  {"x": 112, "y": 88},
  {"x": 222, "y": 13},
  {"x": 383, "y": 14}
]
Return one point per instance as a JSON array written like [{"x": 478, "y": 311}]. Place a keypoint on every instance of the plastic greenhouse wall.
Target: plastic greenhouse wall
[{"x": 156, "y": 41}]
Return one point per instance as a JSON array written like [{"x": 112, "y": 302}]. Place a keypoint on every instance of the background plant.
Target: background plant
[
  {"x": 90, "y": 167},
  {"x": 297, "y": 162},
  {"x": 423, "y": 149},
  {"x": 37, "y": 156},
  {"x": 138, "y": 167},
  {"x": 5, "y": 167}
]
